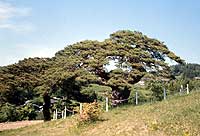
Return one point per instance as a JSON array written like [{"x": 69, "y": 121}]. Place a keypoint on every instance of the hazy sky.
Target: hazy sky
[{"x": 30, "y": 28}]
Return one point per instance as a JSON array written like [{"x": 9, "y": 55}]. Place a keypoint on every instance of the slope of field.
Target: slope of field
[{"x": 179, "y": 115}]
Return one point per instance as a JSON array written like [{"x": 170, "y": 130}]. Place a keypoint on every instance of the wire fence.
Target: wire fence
[{"x": 108, "y": 103}]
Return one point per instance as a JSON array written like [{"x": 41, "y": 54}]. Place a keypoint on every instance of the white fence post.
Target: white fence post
[
  {"x": 136, "y": 98},
  {"x": 56, "y": 117},
  {"x": 65, "y": 113},
  {"x": 81, "y": 108},
  {"x": 164, "y": 93},
  {"x": 188, "y": 89},
  {"x": 62, "y": 114},
  {"x": 181, "y": 88},
  {"x": 106, "y": 104},
  {"x": 180, "y": 91}
]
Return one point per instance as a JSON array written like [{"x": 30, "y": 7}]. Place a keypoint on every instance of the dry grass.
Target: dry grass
[
  {"x": 178, "y": 116},
  {"x": 18, "y": 124}
]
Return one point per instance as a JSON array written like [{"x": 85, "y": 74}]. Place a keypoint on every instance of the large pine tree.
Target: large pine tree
[{"x": 134, "y": 54}]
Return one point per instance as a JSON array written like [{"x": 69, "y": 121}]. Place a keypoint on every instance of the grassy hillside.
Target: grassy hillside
[{"x": 176, "y": 116}]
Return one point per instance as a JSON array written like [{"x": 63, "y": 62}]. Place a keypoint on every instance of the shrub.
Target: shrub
[
  {"x": 90, "y": 113},
  {"x": 28, "y": 112},
  {"x": 8, "y": 112},
  {"x": 194, "y": 84},
  {"x": 157, "y": 90}
]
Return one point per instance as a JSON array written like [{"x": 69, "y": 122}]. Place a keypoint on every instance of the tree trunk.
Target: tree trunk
[{"x": 46, "y": 107}]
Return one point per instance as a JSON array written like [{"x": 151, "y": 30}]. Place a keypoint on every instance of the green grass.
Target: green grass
[{"x": 179, "y": 116}]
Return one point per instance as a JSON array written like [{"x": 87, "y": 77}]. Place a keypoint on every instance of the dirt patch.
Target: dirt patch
[{"x": 18, "y": 124}]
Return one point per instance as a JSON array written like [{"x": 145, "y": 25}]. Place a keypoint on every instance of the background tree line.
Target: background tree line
[{"x": 186, "y": 71}]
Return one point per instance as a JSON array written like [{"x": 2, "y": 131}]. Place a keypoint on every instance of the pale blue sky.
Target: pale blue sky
[{"x": 30, "y": 28}]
